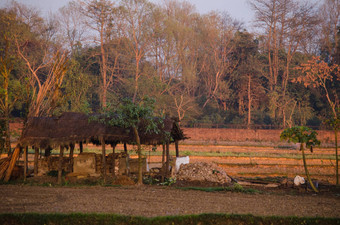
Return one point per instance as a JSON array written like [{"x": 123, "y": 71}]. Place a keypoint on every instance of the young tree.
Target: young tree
[
  {"x": 131, "y": 115},
  {"x": 319, "y": 74},
  {"x": 304, "y": 136}
]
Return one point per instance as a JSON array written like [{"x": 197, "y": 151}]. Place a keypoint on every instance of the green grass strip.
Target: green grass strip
[
  {"x": 235, "y": 188},
  {"x": 213, "y": 219}
]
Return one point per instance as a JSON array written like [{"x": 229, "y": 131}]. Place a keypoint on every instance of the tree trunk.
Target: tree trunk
[
  {"x": 7, "y": 135},
  {"x": 126, "y": 160},
  {"x": 60, "y": 166},
  {"x": 36, "y": 156},
  {"x": 163, "y": 166},
  {"x": 176, "y": 147},
  {"x": 249, "y": 101},
  {"x": 306, "y": 170},
  {"x": 336, "y": 156},
  {"x": 140, "y": 162},
  {"x": 103, "y": 159}
]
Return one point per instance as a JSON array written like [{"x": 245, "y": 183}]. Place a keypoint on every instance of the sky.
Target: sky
[{"x": 237, "y": 9}]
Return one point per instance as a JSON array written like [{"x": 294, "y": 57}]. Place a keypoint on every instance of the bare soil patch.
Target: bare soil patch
[{"x": 153, "y": 201}]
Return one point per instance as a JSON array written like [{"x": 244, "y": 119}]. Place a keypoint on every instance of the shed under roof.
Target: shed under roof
[{"x": 73, "y": 127}]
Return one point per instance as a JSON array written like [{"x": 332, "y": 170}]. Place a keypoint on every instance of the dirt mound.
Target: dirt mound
[
  {"x": 123, "y": 180},
  {"x": 203, "y": 172}
]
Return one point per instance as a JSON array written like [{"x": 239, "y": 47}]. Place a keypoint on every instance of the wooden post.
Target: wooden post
[
  {"x": 25, "y": 162},
  {"x": 72, "y": 145},
  {"x": 167, "y": 159},
  {"x": 81, "y": 147},
  {"x": 176, "y": 146},
  {"x": 60, "y": 167},
  {"x": 113, "y": 161},
  {"x": 163, "y": 166},
  {"x": 36, "y": 156},
  {"x": 127, "y": 172},
  {"x": 103, "y": 159}
]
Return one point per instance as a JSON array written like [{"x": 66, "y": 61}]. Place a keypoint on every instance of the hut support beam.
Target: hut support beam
[
  {"x": 71, "y": 151},
  {"x": 60, "y": 166},
  {"x": 71, "y": 154},
  {"x": 25, "y": 162},
  {"x": 36, "y": 156},
  {"x": 167, "y": 159},
  {"x": 103, "y": 159}
]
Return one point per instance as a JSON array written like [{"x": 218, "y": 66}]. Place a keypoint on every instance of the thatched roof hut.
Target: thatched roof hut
[{"x": 73, "y": 127}]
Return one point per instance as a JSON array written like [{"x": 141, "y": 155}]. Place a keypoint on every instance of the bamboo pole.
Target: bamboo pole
[{"x": 60, "y": 166}]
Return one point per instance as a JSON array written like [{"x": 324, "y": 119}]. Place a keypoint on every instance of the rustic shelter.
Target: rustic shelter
[{"x": 71, "y": 128}]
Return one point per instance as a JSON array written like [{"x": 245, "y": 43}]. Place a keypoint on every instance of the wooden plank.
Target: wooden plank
[{"x": 14, "y": 159}]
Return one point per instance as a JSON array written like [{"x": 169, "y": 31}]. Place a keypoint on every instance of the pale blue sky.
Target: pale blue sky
[{"x": 238, "y": 9}]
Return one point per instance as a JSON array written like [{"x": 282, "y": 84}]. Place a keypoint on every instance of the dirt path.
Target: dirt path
[{"x": 159, "y": 201}]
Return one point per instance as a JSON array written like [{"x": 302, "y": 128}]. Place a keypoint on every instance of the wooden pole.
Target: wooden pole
[
  {"x": 167, "y": 159},
  {"x": 103, "y": 159},
  {"x": 163, "y": 166},
  {"x": 36, "y": 156},
  {"x": 72, "y": 145},
  {"x": 25, "y": 162},
  {"x": 60, "y": 167}
]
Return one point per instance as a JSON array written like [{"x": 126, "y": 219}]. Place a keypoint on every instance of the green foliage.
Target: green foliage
[
  {"x": 129, "y": 114},
  {"x": 300, "y": 134}
]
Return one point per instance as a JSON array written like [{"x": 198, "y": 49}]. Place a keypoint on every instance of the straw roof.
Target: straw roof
[{"x": 73, "y": 127}]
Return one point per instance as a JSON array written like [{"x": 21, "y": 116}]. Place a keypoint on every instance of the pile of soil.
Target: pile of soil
[{"x": 202, "y": 172}]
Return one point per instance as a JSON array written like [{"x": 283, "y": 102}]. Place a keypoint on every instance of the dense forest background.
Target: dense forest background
[{"x": 205, "y": 69}]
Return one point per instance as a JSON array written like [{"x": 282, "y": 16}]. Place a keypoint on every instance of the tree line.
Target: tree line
[{"x": 201, "y": 68}]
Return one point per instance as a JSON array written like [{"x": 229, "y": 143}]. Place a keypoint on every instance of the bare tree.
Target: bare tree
[{"x": 99, "y": 15}]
